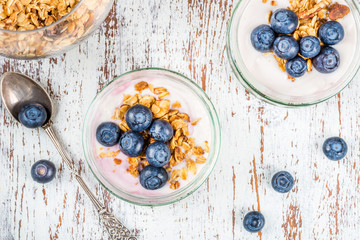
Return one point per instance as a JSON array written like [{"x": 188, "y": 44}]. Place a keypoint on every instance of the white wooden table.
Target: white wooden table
[{"x": 258, "y": 140}]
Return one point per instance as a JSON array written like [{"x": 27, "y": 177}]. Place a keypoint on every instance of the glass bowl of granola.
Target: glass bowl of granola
[
  {"x": 266, "y": 75},
  {"x": 31, "y": 29},
  {"x": 194, "y": 145}
]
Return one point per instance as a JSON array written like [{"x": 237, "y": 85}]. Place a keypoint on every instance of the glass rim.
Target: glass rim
[
  {"x": 256, "y": 92},
  {"x": 199, "y": 179}
]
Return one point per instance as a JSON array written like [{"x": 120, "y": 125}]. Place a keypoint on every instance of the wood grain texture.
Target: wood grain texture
[{"x": 258, "y": 140}]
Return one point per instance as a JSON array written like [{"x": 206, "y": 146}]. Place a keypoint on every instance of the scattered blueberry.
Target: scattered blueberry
[
  {"x": 331, "y": 32},
  {"x": 282, "y": 182},
  {"x": 32, "y": 115},
  {"x": 139, "y": 118},
  {"x": 262, "y": 38},
  {"x": 108, "y": 134},
  {"x": 296, "y": 67},
  {"x": 327, "y": 61},
  {"x": 284, "y": 21},
  {"x": 310, "y": 46},
  {"x": 254, "y": 221},
  {"x": 153, "y": 177},
  {"x": 161, "y": 130},
  {"x": 131, "y": 143},
  {"x": 158, "y": 154},
  {"x": 286, "y": 47},
  {"x": 335, "y": 148},
  {"x": 43, "y": 171}
]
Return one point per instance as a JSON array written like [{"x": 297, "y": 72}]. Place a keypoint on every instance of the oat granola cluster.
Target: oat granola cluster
[{"x": 183, "y": 148}]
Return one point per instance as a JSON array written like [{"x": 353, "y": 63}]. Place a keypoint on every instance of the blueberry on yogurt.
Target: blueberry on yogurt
[
  {"x": 310, "y": 46},
  {"x": 335, "y": 148},
  {"x": 158, "y": 154},
  {"x": 139, "y": 118},
  {"x": 32, "y": 115},
  {"x": 153, "y": 178},
  {"x": 282, "y": 182},
  {"x": 43, "y": 171},
  {"x": 262, "y": 38},
  {"x": 296, "y": 67},
  {"x": 108, "y": 134},
  {"x": 254, "y": 222},
  {"x": 131, "y": 143},
  {"x": 327, "y": 61},
  {"x": 331, "y": 32},
  {"x": 161, "y": 130},
  {"x": 286, "y": 47},
  {"x": 284, "y": 21}
]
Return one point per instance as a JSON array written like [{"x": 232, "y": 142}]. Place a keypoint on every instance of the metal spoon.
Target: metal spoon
[{"x": 16, "y": 91}]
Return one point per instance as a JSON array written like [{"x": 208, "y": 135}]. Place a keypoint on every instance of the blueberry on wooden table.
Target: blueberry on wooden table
[
  {"x": 139, "y": 117},
  {"x": 284, "y": 21},
  {"x": 131, "y": 143},
  {"x": 331, "y": 32},
  {"x": 32, "y": 115},
  {"x": 153, "y": 178},
  {"x": 158, "y": 154},
  {"x": 254, "y": 221},
  {"x": 335, "y": 148},
  {"x": 282, "y": 182},
  {"x": 327, "y": 61},
  {"x": 43, "y": 171},
  {"x": 262, "y": 38},
  {"x": 108, "y": 134},
  {"x": 161, "y": 130},
  {"x": 296, "y": 67},
  {"x": 286, "y": 47},
  {"x": 310, "y": 46}
]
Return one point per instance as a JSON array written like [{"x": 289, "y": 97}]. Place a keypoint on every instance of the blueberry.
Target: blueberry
[
  {"x": 327, "y": 61},
  {"x": 161, "y": 130},
  {"x": 153, "y": 177},
  {"x": 131, "y": 143},
  {"x": 335, "y": 148},
  {"x": 331, "y": 32},
  {"x": 284, "y": 21},
  {"x": 32, "y": 115},
  {"x": 296, "y": 67},
  {"x": 43, "y": 171},
  {"x": 158, "y": 154},
  {"x": 310, "y": 46},
  {"x": 282, "y": 182},
  {"x": 139, "y": 118},
  {"x": 108, "y": 134},
  {"x": 286, "y": 47},
  {"x": 262, "y": 38},
  {"x": 254, "y": 221}
]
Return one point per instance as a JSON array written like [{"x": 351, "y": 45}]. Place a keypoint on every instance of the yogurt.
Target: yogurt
[{"x": 117, "y": 174}]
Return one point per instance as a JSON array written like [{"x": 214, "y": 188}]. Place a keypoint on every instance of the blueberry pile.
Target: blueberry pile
[
  {"x": 275, "y": 38},
  {"x": 139, "y": 118},
  {"x": 334, "y": 148}
]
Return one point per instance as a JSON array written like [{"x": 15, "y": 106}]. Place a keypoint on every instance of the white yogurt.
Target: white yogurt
[
  {"x": 264, "y": 68},
  {"x": 117, "y": 174}
]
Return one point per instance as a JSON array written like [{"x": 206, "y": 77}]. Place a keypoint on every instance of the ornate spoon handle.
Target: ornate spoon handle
[{"x": 115, "y": 228}]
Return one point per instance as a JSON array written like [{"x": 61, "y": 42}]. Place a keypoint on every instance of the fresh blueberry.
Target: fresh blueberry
[
  {"x": 284, "y": 21},
  {"x": 108, "y": 134},
  {"x": 132, "y": 143},
  {"x": 262, "y": 38},
  {"x": 43, "y": 171},
  {"x": 158, "y": 154},
  {"x": 286, "y": 47},
  {"x": 296, "y": 67},
  {"x": 310, "y": 46},
  {"x": 32, "y": 115},
  {"x": 327, "y": 61},
  {"x": 139, "y": 118},
  {"x": 153, "y": 177},
  {"x": 282, "y": 182},
  {"x": 331, "y": 32},
  {"x": 254, "y": 221},
  {"x": 161, "y": 130},
  {"x": 335, "y": 148}
]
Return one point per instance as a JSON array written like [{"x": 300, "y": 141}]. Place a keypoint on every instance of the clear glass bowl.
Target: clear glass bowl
[
  {"x": 114, "y": 90},
  {"x": 58, "y": 37},
  {"x": 289, "y": 95}
]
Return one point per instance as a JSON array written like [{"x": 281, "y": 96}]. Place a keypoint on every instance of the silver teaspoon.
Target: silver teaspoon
[{"x": 16, "y": 91}]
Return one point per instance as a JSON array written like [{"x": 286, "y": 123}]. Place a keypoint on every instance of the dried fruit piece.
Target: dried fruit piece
[{"x": 338, "y": 11}]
